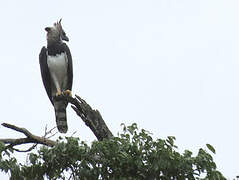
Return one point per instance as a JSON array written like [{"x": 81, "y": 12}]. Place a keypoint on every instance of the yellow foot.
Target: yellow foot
[
  {"x": 67, "y": 93},
  {"x": 58, "y": 93}
]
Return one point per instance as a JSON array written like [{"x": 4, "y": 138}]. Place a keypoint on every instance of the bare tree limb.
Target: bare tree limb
[
  {"x": 30, "y": 138},
  {"x": 29, "y": 149},
  {"x": 91, "y": 117}
]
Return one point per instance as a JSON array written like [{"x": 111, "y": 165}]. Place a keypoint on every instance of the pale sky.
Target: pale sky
[{"x": 171, "y": 66}]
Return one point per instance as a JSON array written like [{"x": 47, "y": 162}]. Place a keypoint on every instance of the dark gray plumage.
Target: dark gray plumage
[{"x": 57, "y": 71}]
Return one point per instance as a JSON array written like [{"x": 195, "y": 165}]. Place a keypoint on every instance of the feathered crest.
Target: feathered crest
[{"x": 58, "y": 26}]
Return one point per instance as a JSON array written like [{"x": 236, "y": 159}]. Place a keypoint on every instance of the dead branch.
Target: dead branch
[
  {"x": 28, "y": 150},
  {"x": 91, "y": 117},
  {"x": 30, "y": 138}
]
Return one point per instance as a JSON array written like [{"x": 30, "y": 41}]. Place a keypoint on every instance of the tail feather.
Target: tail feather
[{"x": 61, "y": 120}]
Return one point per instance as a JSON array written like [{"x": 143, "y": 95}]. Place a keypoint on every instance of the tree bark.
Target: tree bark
[
  {"x": 30, "y": 138},
  {"x": 91, "y": 117}
]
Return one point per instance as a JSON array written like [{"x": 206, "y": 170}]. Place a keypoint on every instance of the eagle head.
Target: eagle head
[{"x": 56, "y": 33}]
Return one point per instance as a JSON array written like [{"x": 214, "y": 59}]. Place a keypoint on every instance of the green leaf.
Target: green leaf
[
  {"x": 211, "y": 148},
  {"x": 133, "y": 155},
  {"x": 33, "y": 158}
]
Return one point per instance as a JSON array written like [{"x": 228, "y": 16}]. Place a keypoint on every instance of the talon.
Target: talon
[
  {"x": 58, "y": 93},
  {"x": 68, "y": 93}
]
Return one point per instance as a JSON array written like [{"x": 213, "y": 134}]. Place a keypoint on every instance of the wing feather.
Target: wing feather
[
  {"x": 45, "y": 74},
  {"x": 70, "y": 66}
]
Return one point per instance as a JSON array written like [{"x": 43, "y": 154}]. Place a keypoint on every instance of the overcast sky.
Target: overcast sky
[{"x": 171, "y": 66}]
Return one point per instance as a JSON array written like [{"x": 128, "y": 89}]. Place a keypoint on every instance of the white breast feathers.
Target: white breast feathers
[{"x": 58, "y": 69}]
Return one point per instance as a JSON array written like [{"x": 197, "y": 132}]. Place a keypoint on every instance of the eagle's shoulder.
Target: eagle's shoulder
[
  {"x": 43, "y": 54},
  {"x": 43, "y": 48},
  {"x": 43, "y": 51}
]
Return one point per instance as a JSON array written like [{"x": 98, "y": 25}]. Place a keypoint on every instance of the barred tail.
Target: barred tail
[{"x": 60, "y": 111}]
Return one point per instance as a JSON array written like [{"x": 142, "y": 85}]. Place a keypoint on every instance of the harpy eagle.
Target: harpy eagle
[{"x": 57, "y": 71}]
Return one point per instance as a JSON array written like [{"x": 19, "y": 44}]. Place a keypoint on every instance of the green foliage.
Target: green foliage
[
  {"x": 132, "y": 155},
  {"x": 211, "y": 148}
]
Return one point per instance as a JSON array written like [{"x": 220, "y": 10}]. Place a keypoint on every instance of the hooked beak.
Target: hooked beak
[{"x": 65, "y": 38}]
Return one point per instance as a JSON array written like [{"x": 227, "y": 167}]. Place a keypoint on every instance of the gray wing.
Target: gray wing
[
  {"x": 45, "y": 74},
  {"x": 70, "y": 66}
]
